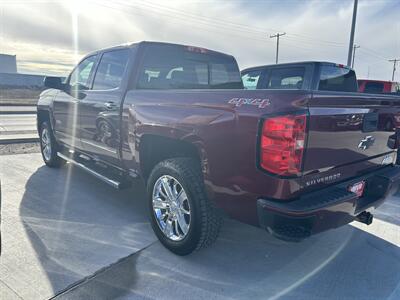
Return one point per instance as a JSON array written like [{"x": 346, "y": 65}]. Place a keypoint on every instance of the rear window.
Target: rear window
[
  {"x": 286, "y": 78},
  {"x": 373, "y": 87},
  {"x": 180, "y": 67},
  {"x": 335, "y": 78},
  {"x": 250, "y": 79}
]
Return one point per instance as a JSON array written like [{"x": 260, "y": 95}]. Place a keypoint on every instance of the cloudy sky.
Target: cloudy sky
[{"x": 48, "y": 37}]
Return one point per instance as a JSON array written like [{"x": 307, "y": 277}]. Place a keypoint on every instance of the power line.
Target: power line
[
  {"x": 313, "y": 40},
  {"x": 277, "y": 43},
  {"x": 257, "y": 32},
  {"x": 377, "y": 54},
  {"x": 226, "y": 24},
  {"x": 255, "y": 29},
  {"x": 235, "y": 29},
  {"x": 179, "y": 20}
]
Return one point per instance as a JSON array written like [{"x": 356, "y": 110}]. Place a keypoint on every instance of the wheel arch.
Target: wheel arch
[
  {"x": 156, "y": 148},
  {"x": 42, "y": 116}
]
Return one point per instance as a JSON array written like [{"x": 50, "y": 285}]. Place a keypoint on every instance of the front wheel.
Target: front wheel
[
  {"x": 182, "y": 216},
  {"x": 49, "y": 147}
]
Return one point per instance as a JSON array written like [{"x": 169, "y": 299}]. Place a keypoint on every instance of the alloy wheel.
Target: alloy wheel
[
  {"x": 46, "y": 144},
  {"x": 171, "y": 208}
]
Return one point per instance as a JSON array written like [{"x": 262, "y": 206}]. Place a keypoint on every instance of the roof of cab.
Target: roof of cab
[
  {"x": 134, "y": 44},
  {"x": 295, "y": 64}
]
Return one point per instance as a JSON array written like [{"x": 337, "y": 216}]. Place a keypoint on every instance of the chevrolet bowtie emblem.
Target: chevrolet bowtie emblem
[{"x": 366, "y": 142}]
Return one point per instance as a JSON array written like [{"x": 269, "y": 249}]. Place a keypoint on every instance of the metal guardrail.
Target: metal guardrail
[
  {"x": 19, "y": 141},
  {"x": 13, "y": 129},
  {"x": 17, "y": 109}
]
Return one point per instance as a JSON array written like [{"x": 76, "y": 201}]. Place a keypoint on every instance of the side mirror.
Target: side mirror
[{"x": 53, "y": 82}]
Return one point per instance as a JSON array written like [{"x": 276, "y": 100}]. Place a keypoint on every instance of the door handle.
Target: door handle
[
  {"x": 110, "y": 105},
  {"x": 370, "y": 122}
]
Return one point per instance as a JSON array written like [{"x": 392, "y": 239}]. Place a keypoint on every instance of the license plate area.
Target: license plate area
[{"x": 357, "y": 188}]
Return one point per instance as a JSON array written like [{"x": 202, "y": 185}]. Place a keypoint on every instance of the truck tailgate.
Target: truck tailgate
[{"x": 349, "y": 129}]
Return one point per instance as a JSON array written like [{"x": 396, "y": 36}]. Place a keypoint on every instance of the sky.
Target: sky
[{"x": 49, "y": 37}]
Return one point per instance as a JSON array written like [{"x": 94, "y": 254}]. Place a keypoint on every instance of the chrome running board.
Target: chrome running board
[{"x": 112, "y": 182}]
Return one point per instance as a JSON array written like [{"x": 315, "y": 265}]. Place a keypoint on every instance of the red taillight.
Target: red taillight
[{"x": 282, "y": 144}]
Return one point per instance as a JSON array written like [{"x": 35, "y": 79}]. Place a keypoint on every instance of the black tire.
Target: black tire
[
  {"x": 50, "y": 159},
  {"x": 205, "y": 219}
]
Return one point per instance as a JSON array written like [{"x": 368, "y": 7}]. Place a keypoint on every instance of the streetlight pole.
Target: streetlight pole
[
  {"x": 353, "y": 27},
  {"x": 277, "y": 43}
]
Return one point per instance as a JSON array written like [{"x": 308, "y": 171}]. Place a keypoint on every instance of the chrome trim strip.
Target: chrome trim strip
[{"x": 107, "y": 180}]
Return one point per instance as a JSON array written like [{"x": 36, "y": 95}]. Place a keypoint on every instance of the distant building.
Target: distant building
[
  {"x": 18, "y": 80},
  {"x": 8, "y": 63},
  {"x": 10, "y": 78}
]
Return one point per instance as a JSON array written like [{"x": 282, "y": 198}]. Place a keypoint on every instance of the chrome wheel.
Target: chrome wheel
[
  {"x": 171, "y": 208},
  {"x": 46, "y": 144}
]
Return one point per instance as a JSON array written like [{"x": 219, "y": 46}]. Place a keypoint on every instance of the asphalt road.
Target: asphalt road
[{"x": 67, "y": 234}]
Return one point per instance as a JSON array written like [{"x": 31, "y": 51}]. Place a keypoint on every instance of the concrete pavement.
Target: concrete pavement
[
  {"x": 59, "y": 226},
  {"x": 67, "y": 234}
]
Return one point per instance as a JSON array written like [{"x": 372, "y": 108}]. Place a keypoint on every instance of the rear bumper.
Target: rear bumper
[{"x": 328, "y": 208}]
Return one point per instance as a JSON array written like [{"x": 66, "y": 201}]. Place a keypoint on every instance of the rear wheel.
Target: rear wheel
[
  {"x": 49, "y": 147},
  {"x": 182, "y": 216}
]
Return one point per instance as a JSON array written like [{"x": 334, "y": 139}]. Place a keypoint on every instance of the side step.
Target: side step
[{"x": 114, "y": 183}]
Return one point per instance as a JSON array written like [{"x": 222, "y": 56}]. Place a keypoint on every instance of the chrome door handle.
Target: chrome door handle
[{"x": 110, "y": 105}]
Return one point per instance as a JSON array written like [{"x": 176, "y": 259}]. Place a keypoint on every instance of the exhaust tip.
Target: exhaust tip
[{"x": 365, "y": 218}]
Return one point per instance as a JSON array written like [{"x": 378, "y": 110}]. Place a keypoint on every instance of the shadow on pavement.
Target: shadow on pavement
[
  {"x": 390, "y": 210},
  {"x": 246, "y": 263},
  {"x": 78, "y": 225}
]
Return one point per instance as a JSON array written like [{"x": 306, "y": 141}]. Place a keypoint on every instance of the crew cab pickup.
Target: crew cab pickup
[
  {"x": 178, "y": 118},
  {"x": 317, "y": 76},
  {"x": 309, "y": 75}
]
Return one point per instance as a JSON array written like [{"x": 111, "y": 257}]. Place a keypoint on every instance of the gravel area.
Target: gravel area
[{"x": 19, "y": 148}]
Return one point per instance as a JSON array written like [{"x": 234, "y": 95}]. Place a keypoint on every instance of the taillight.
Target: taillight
[{"x": 282, "y": 144}]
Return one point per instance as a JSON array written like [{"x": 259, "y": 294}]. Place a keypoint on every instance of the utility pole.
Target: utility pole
[
  {"x": 277, "y": 43},
  {"x": 354, "y": 55},
  {"x": 353, "y": 27},
  {"x": 394, "y": 66}
]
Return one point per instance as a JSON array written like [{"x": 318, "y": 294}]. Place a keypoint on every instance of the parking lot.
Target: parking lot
[{"x": 68, "y": 235}]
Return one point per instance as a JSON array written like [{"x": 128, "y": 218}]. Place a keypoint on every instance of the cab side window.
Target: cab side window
[
  {"x": 250, "y": 79},
  {"x": 111, "y": 70},
  {"x": 286, "y": 78},
  {"x": 80, "y": 76}
]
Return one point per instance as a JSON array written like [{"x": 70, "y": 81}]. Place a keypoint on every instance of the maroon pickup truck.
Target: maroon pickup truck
[{"x": 179, "y": 118}]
